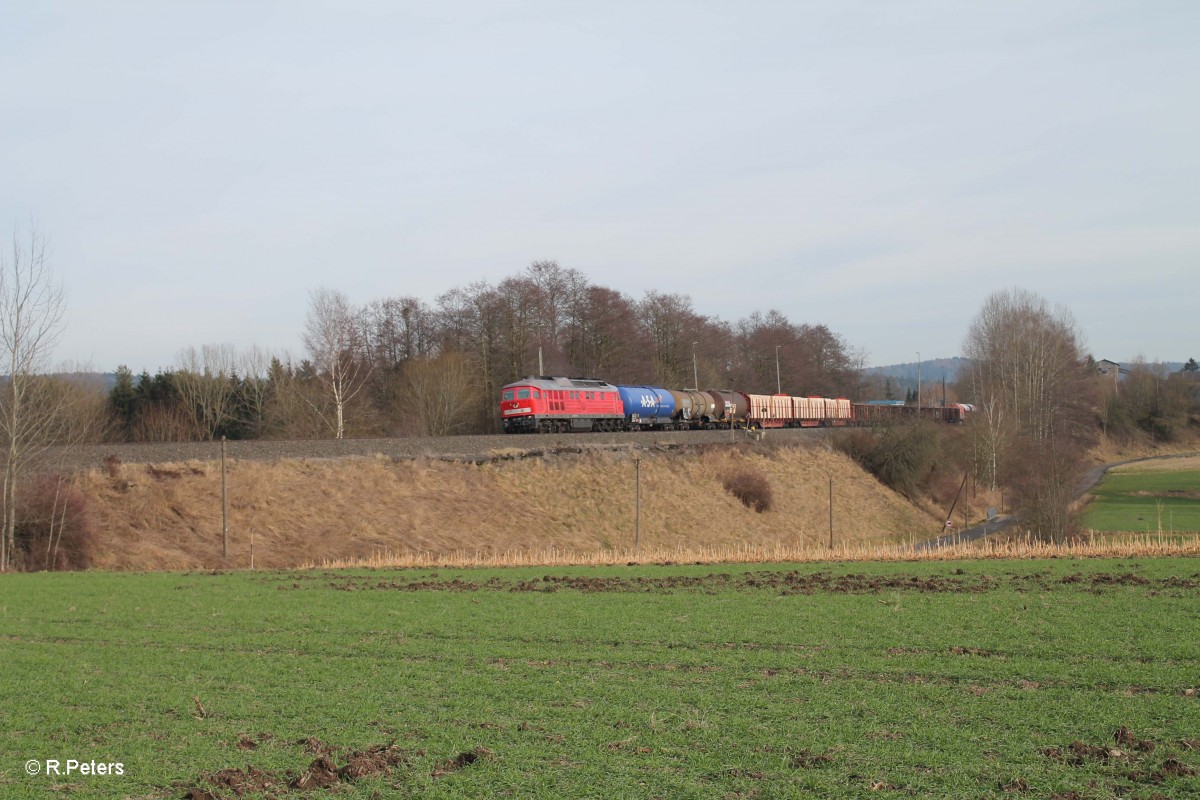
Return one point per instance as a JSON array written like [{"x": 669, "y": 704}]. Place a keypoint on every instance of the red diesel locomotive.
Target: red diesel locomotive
[{"x": 561, "y": 405}]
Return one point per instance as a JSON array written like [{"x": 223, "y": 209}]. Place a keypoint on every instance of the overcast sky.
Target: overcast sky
[{"x": 877, "y": 167}]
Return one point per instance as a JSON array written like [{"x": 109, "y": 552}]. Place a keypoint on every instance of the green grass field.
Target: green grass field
[
  {"x": 981, "y": 679},
  {"x": 1146, "y": 502}
]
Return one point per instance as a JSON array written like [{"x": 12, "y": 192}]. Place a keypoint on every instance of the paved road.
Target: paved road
[{"x": 1089, "y": 479}]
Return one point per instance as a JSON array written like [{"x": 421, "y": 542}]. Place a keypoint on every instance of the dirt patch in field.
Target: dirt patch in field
[
  {"x": 1141, "y": 761},
  {"x": 236, "y": 783},
  {"x": 1015, "y": 785},
  {"x": 971, "y": 651},
  {"x": 464, "y": 759},
  {"x": 783, "y": 582},
  {"x": 323, "y": 772},
  {"x": 1125, "y": 738},
  {"x": 247, "y": 742}
]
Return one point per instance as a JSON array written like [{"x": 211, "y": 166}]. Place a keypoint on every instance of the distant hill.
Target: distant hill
[
  {"x": 931, "y": 370},
  {"x": 101, "y": 380},
  {"x": 904, "y": 376}
]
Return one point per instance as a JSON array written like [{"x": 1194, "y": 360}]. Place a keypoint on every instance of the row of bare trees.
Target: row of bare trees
[
  {"x": 1145, "y": 400},
  {"x": 1035, "y": 392},
  {"x": 39, "y": 412},
  {"x": 401, "y": 366},
  {"x": 455, "y": 355}
]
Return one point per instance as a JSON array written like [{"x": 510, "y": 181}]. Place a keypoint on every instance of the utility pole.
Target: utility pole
[
  {"x": 918, "y": 383},
  {"x": 637, "y": 530},
  {"x": 778, "y": 383},
  {"x": 224, "y": 505},
  {"x": 695, "y": 372},
  {"x": 831, "y": 513}
]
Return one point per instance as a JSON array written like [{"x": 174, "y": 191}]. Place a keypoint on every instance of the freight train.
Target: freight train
[{"x": 560, "y": 405}]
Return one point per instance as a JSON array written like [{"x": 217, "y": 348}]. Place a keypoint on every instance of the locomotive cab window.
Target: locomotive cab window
[
  {"x": 508, "y": 394},
  {"x": 537, "y": 395},
  {"x": 523, "y": 394}
]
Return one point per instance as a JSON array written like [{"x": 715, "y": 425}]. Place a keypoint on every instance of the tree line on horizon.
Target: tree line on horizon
[{"x": 401, "y": 366}]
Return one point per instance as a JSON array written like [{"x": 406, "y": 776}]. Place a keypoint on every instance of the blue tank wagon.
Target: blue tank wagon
[{"x": 647, "y": 407}]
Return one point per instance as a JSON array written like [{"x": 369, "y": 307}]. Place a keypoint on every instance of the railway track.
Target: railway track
[{"x": 449, "y": 447}]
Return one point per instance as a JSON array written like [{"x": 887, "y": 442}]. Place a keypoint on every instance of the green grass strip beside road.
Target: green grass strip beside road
[{"x": 1146, "y": 502}]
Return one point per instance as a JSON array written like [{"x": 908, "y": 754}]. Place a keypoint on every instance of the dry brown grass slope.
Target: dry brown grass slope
[{"x": 300, "y": 512}]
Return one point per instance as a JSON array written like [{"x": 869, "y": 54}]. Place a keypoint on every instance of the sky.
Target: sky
[{"x": 877, "y": 167}]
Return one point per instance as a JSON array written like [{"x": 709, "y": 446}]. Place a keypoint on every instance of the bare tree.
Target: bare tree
[
  {"x": 1029, "y": 380},
  {"x": 1029, "y": 357},
  {"x": 399, "y": 328},
  {"x": 53, "y": 529},
  {"x": 471, "y": 323},
  {"x": 205, "y": 381},
  {"x": 77, "y": 396},
  {"x": 164, "y": 422},
  {"x": 255, "y": 367},
  {"x": 334, "y": 336},
  {"x": 296, "y": 405},
  {"x": 556, "y": 292},
  {"x": 601, "y": 328},
  {"x": 516, "y": 306},
  {"x": 32, "y": 307},
  {"x": 670, "y": 324},
  {"x": 440, "y": 394}
]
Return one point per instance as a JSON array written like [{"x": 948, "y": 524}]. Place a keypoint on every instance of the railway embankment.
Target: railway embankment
[{"x": 578, "y": 495}]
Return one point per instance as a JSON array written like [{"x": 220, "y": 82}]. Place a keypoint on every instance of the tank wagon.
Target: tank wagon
[
  {"x": 648, "y": 407},
  {"x": 694, "y": 408}
]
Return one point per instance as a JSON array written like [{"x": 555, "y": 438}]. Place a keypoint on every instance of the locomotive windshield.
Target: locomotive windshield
[{"x": 508, "y": 394}]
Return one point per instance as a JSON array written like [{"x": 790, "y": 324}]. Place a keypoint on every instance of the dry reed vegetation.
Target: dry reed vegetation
[
  {"x": 1109, "y": 451},
  {"x": 1188, "y": 462},
  {"x": 168, "y": 516},
  {"x": 1140, "y": 546}
]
